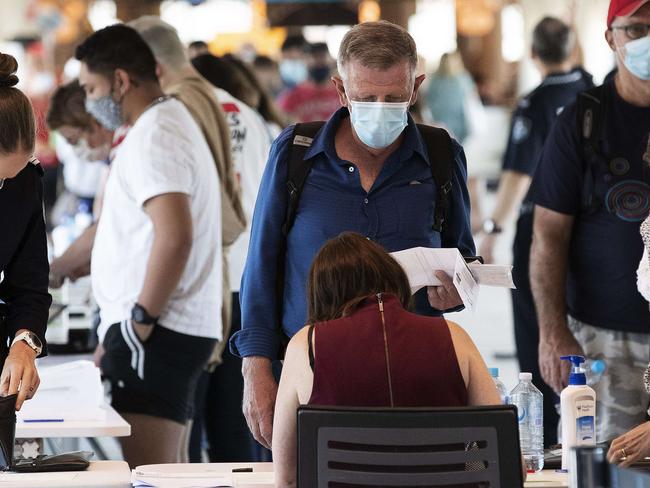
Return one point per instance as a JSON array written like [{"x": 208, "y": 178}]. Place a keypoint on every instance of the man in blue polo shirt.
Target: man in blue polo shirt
[
  {"x": 591, "y": 193},
  {"x": 553, "y": 44},
  {"x": 370, "y": 174}
]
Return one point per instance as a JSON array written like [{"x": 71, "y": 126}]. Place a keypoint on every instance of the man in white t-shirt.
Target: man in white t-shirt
[
  {"x": 220, "y": 391},
  {"x": 156, "y": 263}
]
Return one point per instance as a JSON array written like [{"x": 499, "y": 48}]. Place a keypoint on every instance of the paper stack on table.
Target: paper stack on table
[
  {"x": 197, "y": 476},
  {"x": 421, "y": 264},
  {"x": 68, "y": 392}
]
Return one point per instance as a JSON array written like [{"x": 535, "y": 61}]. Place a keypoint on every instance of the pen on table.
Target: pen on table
[
  {"x": 242, "y": 470},
  {"x": 30, "y": 421}
]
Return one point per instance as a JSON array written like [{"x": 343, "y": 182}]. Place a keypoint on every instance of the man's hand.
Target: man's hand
[
  {"x": 555, "y": 372},
  {"x": 486, "y": 249},
  {"x": 19, "y": 374},
  {"x": 260, "y": 390},
  {"x": 631, "y": 447},
  {"x": 446, "y": 296}
]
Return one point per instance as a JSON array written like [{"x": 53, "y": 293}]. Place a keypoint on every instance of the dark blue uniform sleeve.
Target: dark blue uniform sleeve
[
  {"x": 526, "y": 139},
  {"x": 261, "y": 331},
  {"x": 458, "y": 230},
  {"x": 25, "y": 284},
  {"x": 557, "y": 184}
]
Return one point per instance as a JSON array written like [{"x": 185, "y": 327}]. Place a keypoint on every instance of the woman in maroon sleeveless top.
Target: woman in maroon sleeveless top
[{"x": 363, "y": 348}]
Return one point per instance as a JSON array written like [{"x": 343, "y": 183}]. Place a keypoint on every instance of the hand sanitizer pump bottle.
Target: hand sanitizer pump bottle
[{"x": 578, "y": 407}]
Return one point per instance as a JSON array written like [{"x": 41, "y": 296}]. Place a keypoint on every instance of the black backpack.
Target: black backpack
[
  {"x": 438, "y": 144},
  {"x": 592, "y": 105}
]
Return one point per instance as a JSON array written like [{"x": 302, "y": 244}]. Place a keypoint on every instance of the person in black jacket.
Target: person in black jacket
[{"x": 24, "y": 300}]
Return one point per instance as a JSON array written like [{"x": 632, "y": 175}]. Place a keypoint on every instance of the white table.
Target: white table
[
  {"x": 112, "y": 426},
  {"x": 100, "y": 474},
  {"x": 260, "y": 478}
]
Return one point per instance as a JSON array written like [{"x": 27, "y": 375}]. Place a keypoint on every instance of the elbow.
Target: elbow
[{"x": 179, "y": 243}]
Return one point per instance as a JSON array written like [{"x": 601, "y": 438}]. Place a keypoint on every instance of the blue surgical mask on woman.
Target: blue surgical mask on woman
[
  {"x": 106, "y": 111},
  {"x": 293, "y": 71},
  {"x": 378, "y": 124},
  {"x": 637, "y": 57}
]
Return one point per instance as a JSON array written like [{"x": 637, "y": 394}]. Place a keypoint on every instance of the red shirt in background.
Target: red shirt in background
[{"x": 308, "y": 102}]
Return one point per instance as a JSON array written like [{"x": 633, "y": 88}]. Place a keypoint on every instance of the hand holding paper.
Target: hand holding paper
[{"x": 422, "y": 266}]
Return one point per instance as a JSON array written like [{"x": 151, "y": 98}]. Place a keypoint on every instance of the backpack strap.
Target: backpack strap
[
  {"x": 591, "y": 110},
  {"x": 297, "y": 170},
  {"x": 438, "y": 144}
]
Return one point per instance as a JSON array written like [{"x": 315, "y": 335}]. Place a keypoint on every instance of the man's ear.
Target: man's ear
[
  {"x": 609, "y": 37},
  {"x": 340, "y": 89},
  {"x": 123, "y": 83},
  {"x": 416, "y": 87},
  {"x": 160, "y": 71}
]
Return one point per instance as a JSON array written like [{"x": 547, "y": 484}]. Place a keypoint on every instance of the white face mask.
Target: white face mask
[
  {"x": 378, "y": 124},
  {"x": 637, "y": 57},
  {"x": 89, "y": 154}
]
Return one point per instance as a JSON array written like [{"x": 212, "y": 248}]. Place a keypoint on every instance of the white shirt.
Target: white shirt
[
  {"x": 164, "y": 152},
  {"x": 250, "y": 143}
]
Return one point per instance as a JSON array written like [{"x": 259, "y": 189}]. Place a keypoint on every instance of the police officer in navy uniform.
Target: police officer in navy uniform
[
  {"x": 553, "y": 44},
  {"x": 24, "y": 300}
]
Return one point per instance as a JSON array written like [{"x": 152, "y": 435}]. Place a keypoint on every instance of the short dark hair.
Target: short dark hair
[
  {"x": 553, "y": 41},
  {"x": 17, "y": 123},
  {"x": 118, "y": 47},
  {"x": 198, "y": 45},
  {"x": 67, "y": 107},
  {"x": 296, "y": 41},
  {"x": 264, "y": 62},
  {"x": 348, "y": 269},
  {"x": 225, "y": 75},
  {"x": 319, "y": 48}
]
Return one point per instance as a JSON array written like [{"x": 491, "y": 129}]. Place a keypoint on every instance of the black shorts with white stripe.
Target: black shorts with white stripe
[{"x": 157, "y": 377}]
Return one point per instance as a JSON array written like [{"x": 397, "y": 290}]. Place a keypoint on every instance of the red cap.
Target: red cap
[{"x": 623, "y": 8}]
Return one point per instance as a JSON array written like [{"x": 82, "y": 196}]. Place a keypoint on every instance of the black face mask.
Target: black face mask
[{"x": 319, "y": 73}]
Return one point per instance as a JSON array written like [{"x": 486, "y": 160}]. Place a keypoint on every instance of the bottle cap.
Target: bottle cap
[
  {"x": 577, "y": 376},
  {"x": 598, "y": 366},
  {"x": 526, "y": 376},
  {"x": 494, "y": 372}
]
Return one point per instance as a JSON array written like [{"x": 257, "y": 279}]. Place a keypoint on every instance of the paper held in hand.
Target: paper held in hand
[{"x": 421, "y": 264}]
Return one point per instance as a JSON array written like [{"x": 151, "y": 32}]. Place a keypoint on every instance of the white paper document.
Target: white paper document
[
  {"x": 421, "y": 264},
  {"x": 492, "y": 275},
  {"x": 143, "y": 479}
]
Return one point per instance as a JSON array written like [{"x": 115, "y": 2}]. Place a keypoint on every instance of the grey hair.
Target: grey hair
[
  {"x": 379, "y": 45},
  {"x": 162, "y": 39}
]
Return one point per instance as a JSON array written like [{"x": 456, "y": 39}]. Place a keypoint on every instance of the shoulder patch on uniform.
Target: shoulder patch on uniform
[{"x": 521, "y": 129}]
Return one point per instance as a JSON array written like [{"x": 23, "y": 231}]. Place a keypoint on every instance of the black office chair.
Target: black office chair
[{"x": 408, "y": 447}]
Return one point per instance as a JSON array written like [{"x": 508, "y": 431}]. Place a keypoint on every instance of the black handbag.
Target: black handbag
[
  {"x": 7, "y": 430},
  {"x": 70, "y": 461}
]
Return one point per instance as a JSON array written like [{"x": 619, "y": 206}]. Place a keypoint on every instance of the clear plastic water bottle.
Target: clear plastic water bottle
[
  {"x": 501, "y": 388},
  {"x": 530, "y": 412},
  {"x": 594, "y": 369}
]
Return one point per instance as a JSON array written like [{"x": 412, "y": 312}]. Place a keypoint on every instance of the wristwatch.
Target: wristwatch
[
  {"x": 140, "y": 315},
  {"x": 31, "y": 340},
  {"x": 491, "y": 227}
]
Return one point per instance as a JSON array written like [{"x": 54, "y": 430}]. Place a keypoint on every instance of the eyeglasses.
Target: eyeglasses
[
  {"x": 634, "y": 31},
  {"x": 33, "y": 160}
]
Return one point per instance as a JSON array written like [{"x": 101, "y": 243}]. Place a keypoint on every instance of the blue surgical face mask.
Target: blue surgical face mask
[
  {"x": 293, "y": 71},
  {"x": 637, "y": 57},
  {"x": 106, "y": 110},
  {"x": 378, "y": 124}
]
